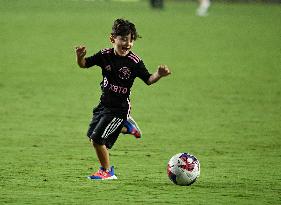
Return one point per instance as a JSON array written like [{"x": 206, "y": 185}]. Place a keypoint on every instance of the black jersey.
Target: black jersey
[{"x": 119, "y": 73}]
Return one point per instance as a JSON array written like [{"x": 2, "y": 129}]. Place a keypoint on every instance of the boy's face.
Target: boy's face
[{"x": 122, "y": 44}]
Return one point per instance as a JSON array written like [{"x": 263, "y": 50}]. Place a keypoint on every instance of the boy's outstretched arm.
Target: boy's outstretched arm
[
  {"x": 162, "y": 71},
  {"x": 80, "y": 56}
]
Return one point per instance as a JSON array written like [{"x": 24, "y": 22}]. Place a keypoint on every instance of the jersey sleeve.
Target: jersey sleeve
[
  {"x": 95, "y": 59},
  {"x": 143, "y": 73}
]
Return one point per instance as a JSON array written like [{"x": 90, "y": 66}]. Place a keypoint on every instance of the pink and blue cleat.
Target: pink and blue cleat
[
  {"x": 132, "y": 127},
  {"x": 103, "y": 174}
]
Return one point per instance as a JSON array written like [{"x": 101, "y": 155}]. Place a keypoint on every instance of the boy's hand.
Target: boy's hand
[
  {"x": 80, "y": 54},
  {"x": 163, "y": 70},
  {"x": 80, "y": 51}
]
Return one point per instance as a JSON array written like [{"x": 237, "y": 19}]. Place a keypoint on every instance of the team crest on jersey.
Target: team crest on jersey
[{"x": 124, "y": 73}]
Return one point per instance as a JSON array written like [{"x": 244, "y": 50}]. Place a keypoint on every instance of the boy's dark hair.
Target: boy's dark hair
[{"x": 122, "y": 27}]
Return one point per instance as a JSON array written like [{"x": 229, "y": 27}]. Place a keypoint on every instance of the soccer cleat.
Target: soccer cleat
[
  {"x": 103, "y": 174},
  {"x": 132, "y": 127}
]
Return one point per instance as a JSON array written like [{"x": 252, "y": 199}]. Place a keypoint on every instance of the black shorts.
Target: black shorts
[{"x": 105, "y": 126}]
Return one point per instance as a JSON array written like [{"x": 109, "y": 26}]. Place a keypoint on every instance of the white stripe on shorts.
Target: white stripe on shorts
[{"x": 111, "y": 127}]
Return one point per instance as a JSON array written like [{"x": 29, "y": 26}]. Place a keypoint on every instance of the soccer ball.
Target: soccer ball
[{"x": 183, "y": 169}]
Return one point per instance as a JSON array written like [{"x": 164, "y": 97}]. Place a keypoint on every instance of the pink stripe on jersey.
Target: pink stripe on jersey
[
  {"x": 135, "y": 60},
  {"x": 135, "y": 56}
]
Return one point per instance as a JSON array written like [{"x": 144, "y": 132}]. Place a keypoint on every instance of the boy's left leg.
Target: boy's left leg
[
  {"x": 102, "y": 154},
  {"x": 105, "y": 172},
  {"x": 131, "y": 127},
  {"x": 103, "y": 137}
]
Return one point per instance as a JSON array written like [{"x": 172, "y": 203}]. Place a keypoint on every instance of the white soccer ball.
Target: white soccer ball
[{"x": 183, "y": 169}]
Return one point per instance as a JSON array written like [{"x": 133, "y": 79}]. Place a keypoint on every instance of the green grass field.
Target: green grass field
[{"x": 222, "y": 103}]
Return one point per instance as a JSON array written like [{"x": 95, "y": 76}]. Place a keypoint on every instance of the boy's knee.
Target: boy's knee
[
  {"x": 96, "y": 145},
  {"x": 93, "y": 143}
]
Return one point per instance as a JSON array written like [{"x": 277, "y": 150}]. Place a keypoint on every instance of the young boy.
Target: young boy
[{"x": 119, "y": 67}]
